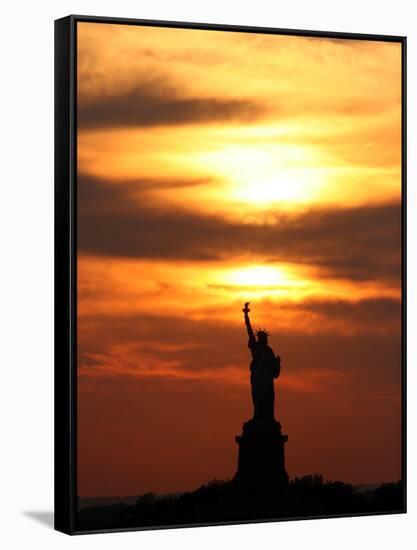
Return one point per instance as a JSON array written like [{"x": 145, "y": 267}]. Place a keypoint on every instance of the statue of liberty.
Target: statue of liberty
[
  {"x": 261, "y": 459},
  {"x": 264, "y": 368}
]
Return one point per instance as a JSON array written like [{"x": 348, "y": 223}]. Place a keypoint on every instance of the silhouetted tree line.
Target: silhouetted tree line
[{"x": 225, "y": 501}]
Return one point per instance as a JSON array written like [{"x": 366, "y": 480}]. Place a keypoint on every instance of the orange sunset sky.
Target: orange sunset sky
[{"x": 216, "y": 168}]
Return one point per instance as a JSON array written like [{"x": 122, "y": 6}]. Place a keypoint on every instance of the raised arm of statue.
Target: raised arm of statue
[{"x": 246, "y": 311}]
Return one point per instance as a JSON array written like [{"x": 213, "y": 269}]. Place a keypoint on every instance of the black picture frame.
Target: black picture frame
[{"x": 65, "y": 384}]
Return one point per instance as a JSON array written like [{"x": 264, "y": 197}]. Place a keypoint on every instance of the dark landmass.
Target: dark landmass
[
  {"x": 225, "y": 501},
  {"x": 96, "y": 502}
]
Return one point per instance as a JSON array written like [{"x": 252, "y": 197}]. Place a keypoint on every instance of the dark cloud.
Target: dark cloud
[
  {"x": 151, "y": 105},
  {"x": 378, "y": 315},
  {"x": 155, "y": 103},
  {"x": 357, "y": 243}
]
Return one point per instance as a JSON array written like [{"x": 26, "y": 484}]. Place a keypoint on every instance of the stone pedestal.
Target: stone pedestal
[{"x": 261, "y": 462}]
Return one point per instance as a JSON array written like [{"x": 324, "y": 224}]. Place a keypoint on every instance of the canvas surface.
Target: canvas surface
[{"x": 217, "y": 168}]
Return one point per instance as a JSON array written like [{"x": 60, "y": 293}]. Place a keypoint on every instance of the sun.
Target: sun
[
  {"x": 259, "y": 281},
  {"x": 257, "y": 276},
  {"x": 269, "y": 191}
]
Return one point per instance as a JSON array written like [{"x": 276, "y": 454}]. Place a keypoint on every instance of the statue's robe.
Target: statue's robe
[{"x": 264, "y": 368}]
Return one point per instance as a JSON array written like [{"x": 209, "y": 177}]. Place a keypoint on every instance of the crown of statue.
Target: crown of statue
[{"x": 262, "y": 331}]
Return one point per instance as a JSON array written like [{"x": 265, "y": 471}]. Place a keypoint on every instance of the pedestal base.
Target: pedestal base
[{"x": 261, "y": 462}]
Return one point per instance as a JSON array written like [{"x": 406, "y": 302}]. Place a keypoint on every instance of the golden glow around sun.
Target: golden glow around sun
[{"x": 264, "y": 174}]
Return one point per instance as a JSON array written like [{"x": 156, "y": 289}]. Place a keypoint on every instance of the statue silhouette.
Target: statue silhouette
[
  {"x": 261, "y": 459},
  {"x": 264, "y": 368}
]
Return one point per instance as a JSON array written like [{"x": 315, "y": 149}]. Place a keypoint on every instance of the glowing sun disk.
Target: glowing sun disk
[{"x": 258, "y": 276}]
